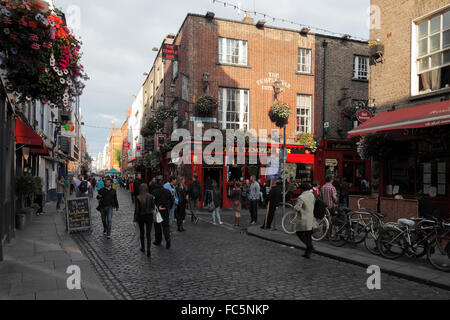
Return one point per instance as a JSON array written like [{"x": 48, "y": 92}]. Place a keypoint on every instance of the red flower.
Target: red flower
[
  {"x": 23, "y": 22},
  {"x": 40, "y": 6},
  {"x": 13, "y": 36},
  {"x": 42, "y": 70},
  {"x": 32, "y": 24}
]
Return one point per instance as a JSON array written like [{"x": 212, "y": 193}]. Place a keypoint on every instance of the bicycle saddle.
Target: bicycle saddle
[
  {"x": 416, "y": 219},
  {"x": 406, "y": 222}
]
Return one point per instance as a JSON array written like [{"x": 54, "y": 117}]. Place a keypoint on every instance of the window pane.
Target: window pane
[
  {"x": 435, "y": 43},
  {"x": 423, "y": 29},
  {"x": 436, "y": 60},
  {"x": 423, "y": 47},
  {"x": 424, "y": 64},
  {"x": 447, "y": 20},
  {"x": 446, "y": 41},
  {"x": 435, "y": 24},
  {"x": 447, "y": 56}
]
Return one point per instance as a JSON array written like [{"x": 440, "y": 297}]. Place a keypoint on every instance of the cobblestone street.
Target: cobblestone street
[{"x": 219, "y": 262}]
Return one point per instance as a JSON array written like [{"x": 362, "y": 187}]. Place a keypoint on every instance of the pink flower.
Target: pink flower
[
  {"x": 34, "y": 37},
  {"x": 35, "y": 46}
]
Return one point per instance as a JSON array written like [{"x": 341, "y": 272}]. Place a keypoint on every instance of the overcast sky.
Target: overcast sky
[{"x": 118, "y": 37}]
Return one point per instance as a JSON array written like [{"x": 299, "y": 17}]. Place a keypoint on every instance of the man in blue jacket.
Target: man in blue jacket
[{"x": 170, "y": 185}]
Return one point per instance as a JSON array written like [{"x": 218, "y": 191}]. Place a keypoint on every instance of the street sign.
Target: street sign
[
  {"x": 326, "y": 125},
  {"x": 125, "y": 145},
  {"x": 78, "y": 214},
  {"x": 363, "y": 115},
  {"x": 169, "y": 51},
  {"x": 331, "y": 162}
]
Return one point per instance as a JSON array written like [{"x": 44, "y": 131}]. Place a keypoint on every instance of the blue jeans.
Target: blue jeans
[
  {"x": 216, "y": 213},
  {"x": 107, "y": 214},
  {"x": 171, "y": 215},
  {"x": 58, "y": 203}
]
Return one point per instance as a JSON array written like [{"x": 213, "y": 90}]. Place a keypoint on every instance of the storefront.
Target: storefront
[
  {"x": 341, "y": 159},
  {"x": 299, "y": 167},
  {"x": 413, "y": 148}
]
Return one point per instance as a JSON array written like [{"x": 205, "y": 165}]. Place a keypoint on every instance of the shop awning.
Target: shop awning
[
  {"x": 26, "y": 136},
  {"x": 42, "y": 150},
  {"x": 430, "y": 115}
]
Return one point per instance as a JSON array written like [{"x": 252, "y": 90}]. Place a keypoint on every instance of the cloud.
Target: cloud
[{"x": 118, "y": 37}]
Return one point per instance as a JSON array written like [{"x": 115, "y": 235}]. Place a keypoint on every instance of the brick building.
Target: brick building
[
  {"x": 238, "y": 62},
  {"x": 410, "y": 86}
]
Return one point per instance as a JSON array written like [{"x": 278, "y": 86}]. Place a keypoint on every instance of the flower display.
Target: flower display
[
  {"x": 36, "y": 41},
  {"x": 205, "y": 104},
  {"x": 307, "y": 140},
  {"x": 349, "y": 112},
  {"x": 279, "y": 113}
]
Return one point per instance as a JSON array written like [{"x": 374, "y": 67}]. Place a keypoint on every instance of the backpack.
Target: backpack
[
  {"x": 83, "y": 186},
  {"x": 319, "y": 208}
]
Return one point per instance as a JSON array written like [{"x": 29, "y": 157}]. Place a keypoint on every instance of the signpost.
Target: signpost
[{"x": 78, "y": 214}]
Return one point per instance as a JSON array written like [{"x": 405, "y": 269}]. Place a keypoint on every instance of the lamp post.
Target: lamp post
[{"x": 277, "y": 90}]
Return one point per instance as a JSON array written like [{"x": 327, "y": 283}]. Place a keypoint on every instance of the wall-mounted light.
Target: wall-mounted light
[
  {"x": 304, "y": 31},
  {"x": 260, "y": 24}
]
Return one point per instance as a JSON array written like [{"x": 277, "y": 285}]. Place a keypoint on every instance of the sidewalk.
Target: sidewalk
[
  {"x": 35, "y": 263},
  {"x": 419, "y": 271}
]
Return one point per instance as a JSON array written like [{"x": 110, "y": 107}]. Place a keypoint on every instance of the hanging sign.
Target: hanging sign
[
  {"x": 363, "y": 115},
  {"x": 169, "y": 51}
]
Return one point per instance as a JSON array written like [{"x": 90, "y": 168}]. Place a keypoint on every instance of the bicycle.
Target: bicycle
[
  {"x": 438, "y": 251},
  {"x": 396, "y": 240},
  {"x": 346, "y": 229}
]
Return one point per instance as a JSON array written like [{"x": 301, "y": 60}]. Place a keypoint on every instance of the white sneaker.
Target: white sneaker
[
  {"x": 220, "y": 222},
  {"x": 214, "y": 223}
]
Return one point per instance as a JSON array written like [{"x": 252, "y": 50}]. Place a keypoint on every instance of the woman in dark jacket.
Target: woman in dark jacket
[
  {"x": 143, "y": 215},
  {"x": 182, "y": 200}
]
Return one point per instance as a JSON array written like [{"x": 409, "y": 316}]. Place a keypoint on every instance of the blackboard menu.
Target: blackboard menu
[{"x": 78, "y": 215}]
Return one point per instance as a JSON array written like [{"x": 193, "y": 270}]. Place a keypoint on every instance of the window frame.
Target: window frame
[
  {"x": 299, "y": 60},
  {"x": 242, "y": 113},
  {"x": 298, "y": 107},
  {"x": 357, "y": 70},
  {"x": 223, "y": 52}
]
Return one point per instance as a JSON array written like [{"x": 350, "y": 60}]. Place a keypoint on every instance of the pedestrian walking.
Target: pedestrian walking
[
  {"x": 236, "y": 194},
  {"x": 275, "y": 197},
  {"x": 93, "y": 186},
  {"x": 254, "y": 198},
  {"x": 182, "y": 191},
  {"x": 152, "y": 185},
  {"x": 208, "y": 189},
  {"x": 59, "y": 192},
  {"x": 329, "y": 193},
  {"x": 100, "y": 184},
  {"x": 306, "y": 221},
  {"x": 143, "y": 216},
  {"x": 77, "y": 181},
  {"x": 108, "y": 200},
  {"x": 216, "y": 198},
  {"x": 345, "y": 186},
  {"x": 83, "y": 188},
  {"x": 170, "y": 186},
  {"x": 164, "y": 201},
  {"x": 194, "y": 193},
  {"x": 136, "y": 186},
  {"x": 132, "y": 189}
]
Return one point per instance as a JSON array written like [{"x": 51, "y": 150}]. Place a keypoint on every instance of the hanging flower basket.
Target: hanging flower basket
[
  {"x": 349, "y": 113},
  {"x": 279, "y": 113},
  {"x": 39, "y": 55},
  {"x": 307, "y": 140},
  {"x": 205, "y": 105}
]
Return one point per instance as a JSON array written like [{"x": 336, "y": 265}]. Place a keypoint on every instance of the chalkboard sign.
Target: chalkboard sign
[{"x": 78, "y": 214}]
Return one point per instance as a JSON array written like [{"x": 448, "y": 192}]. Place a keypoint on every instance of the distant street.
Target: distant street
[{"x": 222, "y": 262}]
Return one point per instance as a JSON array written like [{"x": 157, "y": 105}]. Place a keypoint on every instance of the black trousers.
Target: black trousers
[
  {"x": 254, "y": 210},
  {"x": 180, "y": 214},
  {"x": 305, "y": 237},
  {"x": 145, "y": 229},
  {"x": 162, "y": 227},
  {"x": 270, "y": 217}
]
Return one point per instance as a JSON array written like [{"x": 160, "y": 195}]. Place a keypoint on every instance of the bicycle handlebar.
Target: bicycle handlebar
[{"x": 359, "y": 200}]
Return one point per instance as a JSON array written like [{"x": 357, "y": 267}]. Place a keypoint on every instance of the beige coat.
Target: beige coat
[{"x": 305, "y": 209}]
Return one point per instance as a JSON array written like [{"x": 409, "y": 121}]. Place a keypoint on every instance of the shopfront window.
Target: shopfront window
[
  {"x": 433, "y": 178},
  {"x": 304, "y": 173},
  {"x": 400, "y": 177}
]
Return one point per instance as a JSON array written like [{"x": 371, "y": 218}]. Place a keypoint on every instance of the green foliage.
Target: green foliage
[
  {"x": 152, "y": 161},
  {"x": 27, "y": 185},
  {"x": 118, "y": 155},
  {"x": 206, "y": 104},
  {"x": 156, "y": 122},
  {"x": 307, "y": 140}
]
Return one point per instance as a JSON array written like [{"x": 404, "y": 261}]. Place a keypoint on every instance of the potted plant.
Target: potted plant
[
  {"x": 349, "y": 112},
  {"x": 279, "y": 113},
  {"x": 205, "y": 105},
  {"x": 307, "y": 140}
]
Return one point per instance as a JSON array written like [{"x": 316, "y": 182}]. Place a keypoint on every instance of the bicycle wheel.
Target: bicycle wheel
[
  {"x": 370, "y": 242},
  {"x": 338, "y": 235},
  {"x": 438, "y": 254},
  {"x": 391, "y": 243},
  {"x": 320, "y": 232},
  {"x": 357, "y": 233},
  {"x": 289, "y": 221}
]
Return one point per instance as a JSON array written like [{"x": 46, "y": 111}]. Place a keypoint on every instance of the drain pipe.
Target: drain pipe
[{"x": 324, "y": 45}]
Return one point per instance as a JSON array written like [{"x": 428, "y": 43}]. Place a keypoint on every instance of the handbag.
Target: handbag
[{"x": 157, "y": 215}]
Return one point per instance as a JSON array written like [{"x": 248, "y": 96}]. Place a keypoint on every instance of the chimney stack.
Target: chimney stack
[{"x": 248, "y": 19}]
